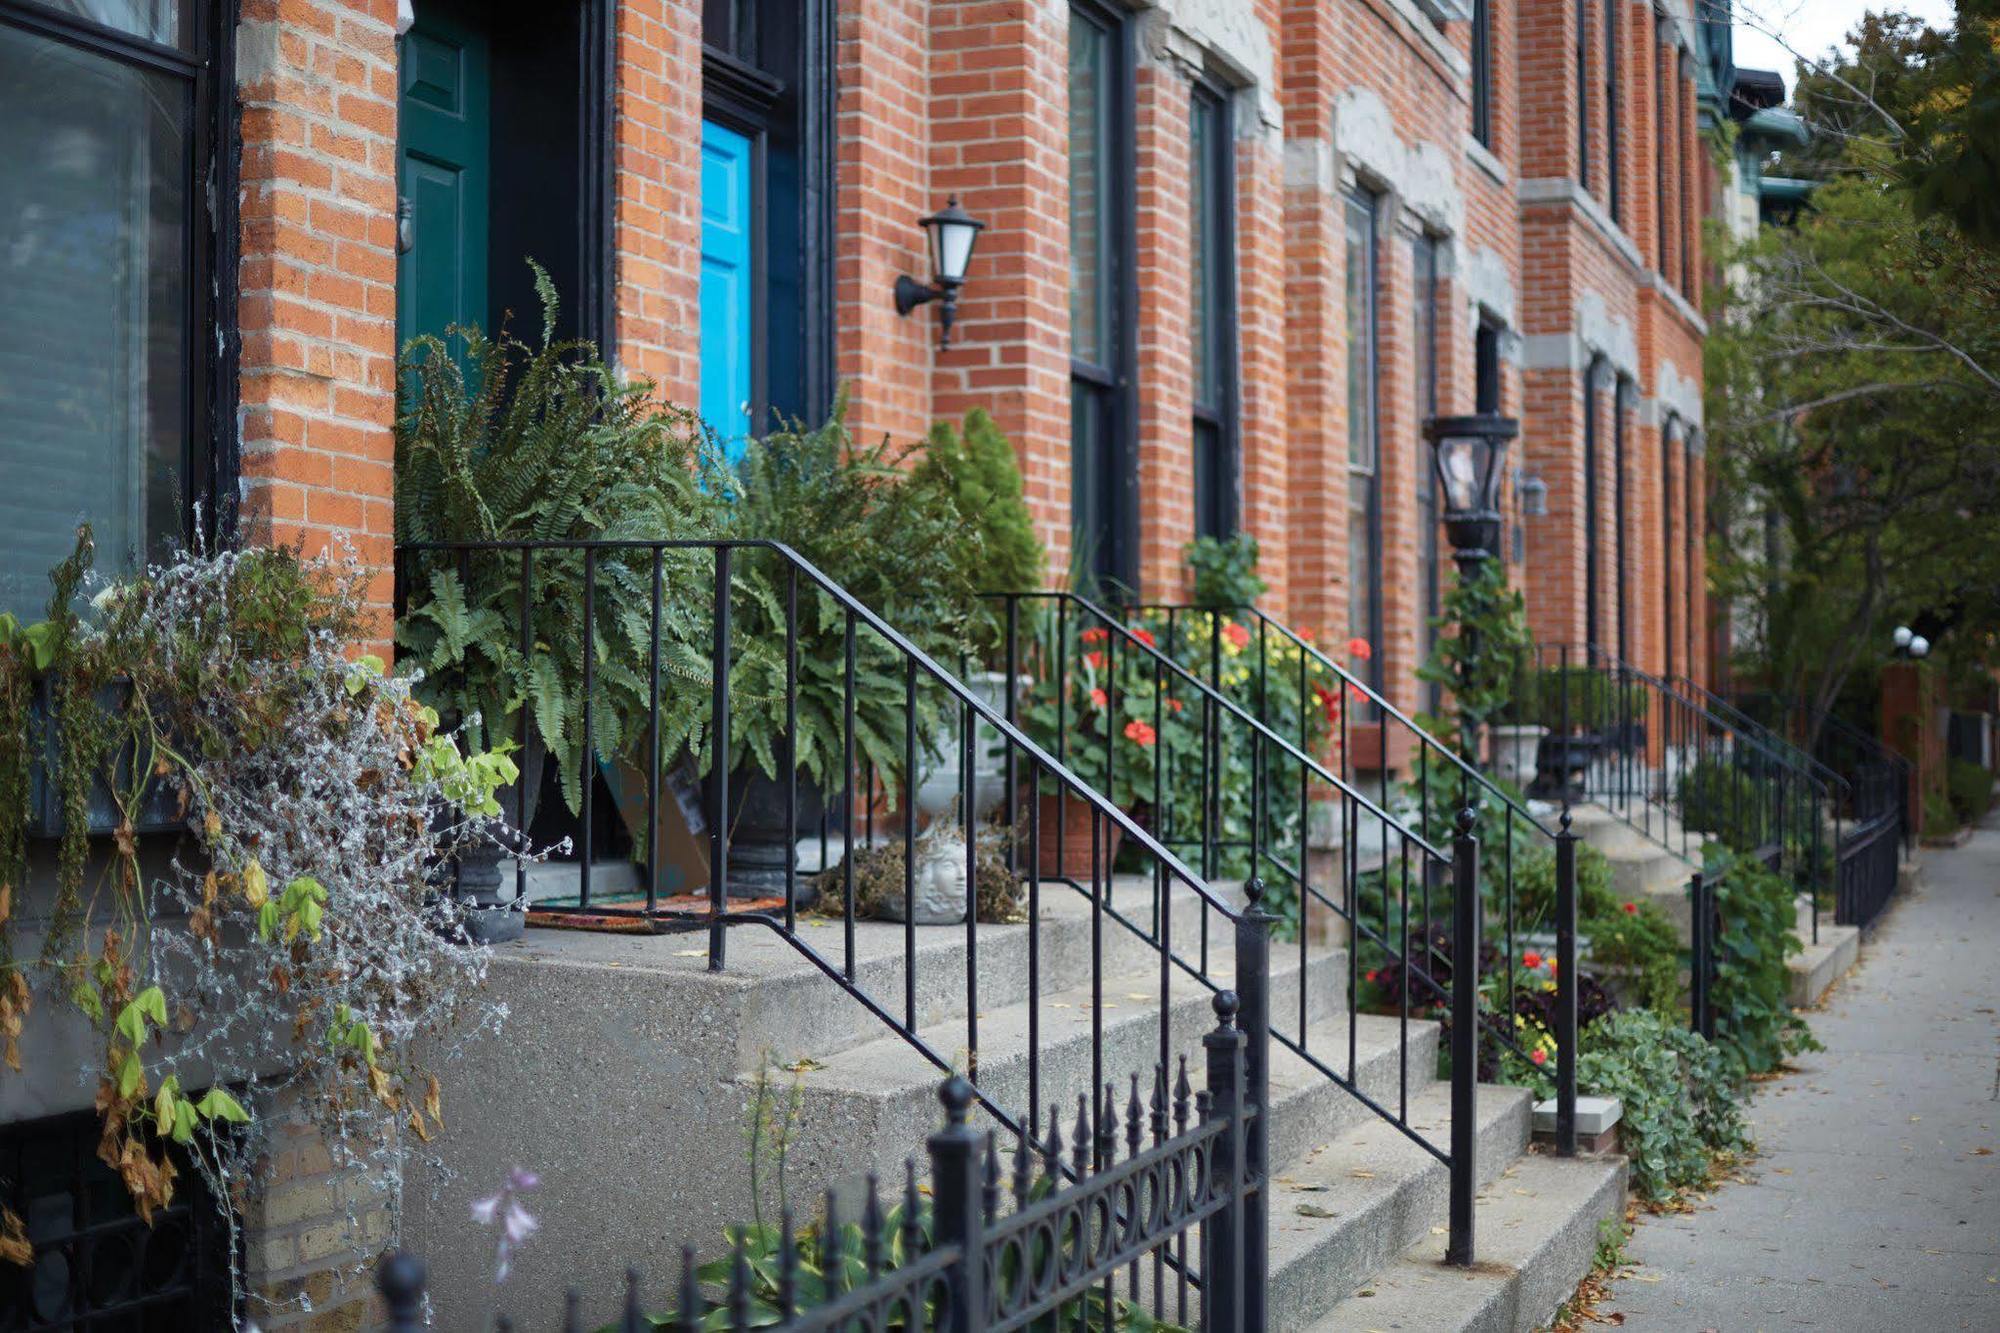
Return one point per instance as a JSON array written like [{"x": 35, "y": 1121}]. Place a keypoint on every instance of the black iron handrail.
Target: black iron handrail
[
  {"x": 606, "y": 602},
  {"x": 1620, "y": 716}
]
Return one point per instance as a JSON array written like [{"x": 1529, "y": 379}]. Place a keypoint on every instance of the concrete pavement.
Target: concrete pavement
[{"x": 1874, "y": 1202}]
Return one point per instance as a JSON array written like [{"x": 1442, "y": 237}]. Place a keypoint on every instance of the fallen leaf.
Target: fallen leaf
[{"x": 1313, "y": 1210}]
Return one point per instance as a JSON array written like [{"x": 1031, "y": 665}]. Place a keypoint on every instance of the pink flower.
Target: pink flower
[
  {"x": 517, "y": 1224},
  {"x": 1099, "y": 699},
  {"x": 1359, "y": 650},
  {"x": 1136, "y": 730},
  {"x": 1539, "y": 1056}
]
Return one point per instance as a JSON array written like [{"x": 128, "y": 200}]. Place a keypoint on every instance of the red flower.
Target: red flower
[
  {"x": 1359, "y": 649},
  {"x": 1531, "y": 960},
  {"x": 1356, "y": 693},
  {"x": 1372, "y": 974},
  {"x": 1135, "y": 730},
  {"x": 1176, "y": 705},
  {"x": 1539, "y": 1056},
  {"x": 1095, "y": 635},
  {"x": 1095, "y": 661},
  {"x": 1098, "y": 698},
  {"x": 1144, "y": 636},
  {"x": 1631, "y": 909},
  {"x": 1236, "y": 636}
]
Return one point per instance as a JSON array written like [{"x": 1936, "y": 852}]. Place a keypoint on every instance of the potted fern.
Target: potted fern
[{"x": 497, "y": 440}]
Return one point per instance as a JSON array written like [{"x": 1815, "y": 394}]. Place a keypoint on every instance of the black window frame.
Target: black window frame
[
  {"x": 1621, "y": 403},
  {"x": 1369, "y": 203},
  {"x": 1593, "y": 503},
  {"x": 1424, "y": 347},
  {"x": 1106, "y": 389},
  {"x": 1683, "y": 107},
  {"x": 1660, "y": 135},
  {"x": 1691, "y": 547},
  {"x": 1583, "y": 93},
  {"x": 1482, "y": 73},
  {"x": 1669, "y": 555},
  {"x": 1218, "y": 504},
  {"x": 211, "y": 450},
  {"x": 1614, "y": 194}
]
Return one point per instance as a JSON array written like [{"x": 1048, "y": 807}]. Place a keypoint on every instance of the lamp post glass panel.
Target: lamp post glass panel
[
  {"x": 951, "y": 233},
  {"x": 1469, "y": 454}
]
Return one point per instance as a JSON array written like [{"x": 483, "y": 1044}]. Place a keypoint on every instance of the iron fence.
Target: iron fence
[
  {"x": 1170, "y": 1228},
  {"x": 805, "y": 729}
]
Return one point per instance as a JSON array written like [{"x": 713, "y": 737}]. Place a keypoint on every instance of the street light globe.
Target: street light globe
[
  {"x": 1919, "y": 646},
  {"x": 1901, "y": 636}
]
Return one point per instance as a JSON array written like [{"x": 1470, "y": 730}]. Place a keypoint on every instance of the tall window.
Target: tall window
[
  {"x": 1621, "y": 403},
  {"x": 1423, "y": 352},
  {"x": 1662, "y": 139},
  {"x": 1099, "y": 302},
  {"x": 1693, "y": 555},
  {"x": 1669, "y": 552},
  {"x": 1486, "y": 367},
  {"x": 116, "y": 218},
  {"x": 1593, "y": 502},
  {"x": 1684, "y": 103},
  {"x": 1211, "y": 213},
  {"x": 1482, "y": 73},
  {"x": 1364, "y": 480},
  {"x": 1614, "y": 192},
  {"x": 1583, "y": 93}
]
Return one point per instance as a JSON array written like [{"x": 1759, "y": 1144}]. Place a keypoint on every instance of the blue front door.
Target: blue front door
[{"x": 726, "y": 278}]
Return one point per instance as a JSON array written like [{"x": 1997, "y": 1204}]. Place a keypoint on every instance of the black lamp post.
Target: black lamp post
[
  {"x": 1468, "y": 454},
  {"x": 952, "y": 233}
]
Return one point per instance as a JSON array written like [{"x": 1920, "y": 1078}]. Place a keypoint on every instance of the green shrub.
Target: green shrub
[
  {"x": 1679, "y": 1104},
  {"x": 1225, "y": 571},
  {"x": 977, "y": 469},
  {"x": 1970, "y": 787},
  {"x": 1940, "y": 819},
  {"x": 1755, "y": 1027}
]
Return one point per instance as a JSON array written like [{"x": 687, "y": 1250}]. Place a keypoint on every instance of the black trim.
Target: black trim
[
  {"x": 1482, "y": 73},
  {"x": 210, "y": 460},
  {"x": 729, "y": 81},
  {"x": 1667, "y": 430},
  {"x": 1614, "y": 193},
  {"x": 1593, "y": 503},
  {"x": 1373, "y": 671},
  {"x": 1224, "y": 417},
  {"x": 597, "y": 152},
  {"x": 818, "y": 110},
  {"x": 1583, "y": 93},
  {"x": 1621, "y": 399}
]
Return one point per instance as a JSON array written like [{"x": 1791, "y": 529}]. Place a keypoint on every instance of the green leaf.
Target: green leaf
[
  {"x": 130, "y": 1074},
  {"x": 216, "y": 1104}
]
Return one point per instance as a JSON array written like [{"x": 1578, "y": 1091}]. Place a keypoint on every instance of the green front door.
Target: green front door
[{"x": 442, "y": 175}]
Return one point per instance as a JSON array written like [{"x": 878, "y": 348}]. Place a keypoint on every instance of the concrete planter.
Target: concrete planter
[
  {"x": 943, "y": 781},
  {"x": 1511, "y": 751}
]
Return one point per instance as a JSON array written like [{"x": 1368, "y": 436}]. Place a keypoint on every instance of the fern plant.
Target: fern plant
[{"x": 544, "y": 443}]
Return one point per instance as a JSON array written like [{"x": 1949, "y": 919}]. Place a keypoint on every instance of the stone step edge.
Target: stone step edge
[{"x": 1530, "y": 1250}]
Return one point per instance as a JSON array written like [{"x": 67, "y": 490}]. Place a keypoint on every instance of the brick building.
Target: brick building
[{"x": 1236, "y": 251}]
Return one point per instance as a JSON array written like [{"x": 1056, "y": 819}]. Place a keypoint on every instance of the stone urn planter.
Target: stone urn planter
[
  {"x": 483, "y": 873},
  {"x": 1511, "y": 752},
  {"x": 1065, "y": 821},
  {"x": 943, "y": 780},
  {"x": 761, "y": 846}
]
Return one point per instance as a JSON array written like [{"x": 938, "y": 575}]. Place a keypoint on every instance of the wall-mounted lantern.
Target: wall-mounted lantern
[
  {"x": 952, "y": 233},
  {"x": 1534, "y": 496}
]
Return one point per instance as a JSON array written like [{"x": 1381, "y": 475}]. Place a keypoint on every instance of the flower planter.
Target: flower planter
[
  {"x": 762, "y": 848},
  {"x": 159, "y": 808},
  {"x": 1512, "y": 750},
  {"x": 943, "y": 779},
  {"x": 1065, "y": 832}
]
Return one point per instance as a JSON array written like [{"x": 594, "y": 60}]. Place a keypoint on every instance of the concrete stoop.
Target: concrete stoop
[
  {"x": 1815, "y": 968},
  {"x": 1535, "y": 1237},
  {"x": 1641, "y": 867}
]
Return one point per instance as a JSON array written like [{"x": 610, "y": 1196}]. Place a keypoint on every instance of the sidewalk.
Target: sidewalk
[{"x": 1875, "y": 1200}]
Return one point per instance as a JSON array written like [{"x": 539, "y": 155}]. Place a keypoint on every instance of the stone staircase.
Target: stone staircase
[
  {"x": 1646, "y": 864},
  {"x": 644, "y": 1064}
]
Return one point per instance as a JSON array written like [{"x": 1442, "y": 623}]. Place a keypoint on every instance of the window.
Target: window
[
  {"x": 1424, "y": 376},
  {"x": 1482, "y": 72},
  {"x": 115, "y": 391},
  {"x": 766, "y": 213},
  {"x": 1100, "y": 298},
  {"x": 1364, "y": 481},
  {"x": 1669, "y": 553},
  {"x": 1212, "y": 249},
  {"x": 1684, "y": 102},
  {"x": 1693, "y": 551},
  {"x": 1621, "y": 403},
  {"x": 1583, "y": 93},
  {"x": 1614, "y": 194},
  {"x": 1662, "y": 151},
  {"x": 1593, "y": 501},
  {"x": 1486, "y": 367}
]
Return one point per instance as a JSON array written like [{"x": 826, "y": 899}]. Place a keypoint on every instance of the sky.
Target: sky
[{"x": 1810, "y": 26}]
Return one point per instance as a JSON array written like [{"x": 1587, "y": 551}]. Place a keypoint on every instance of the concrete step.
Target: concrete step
[
  {"x": 867, "y": 1107},
  {"x": 1384, "y": 1192},
  {"x": 1535, "y": 1235},
  {"x": 1817, "y": 966}
]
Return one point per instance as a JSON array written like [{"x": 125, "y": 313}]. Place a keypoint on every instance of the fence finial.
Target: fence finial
[
  {"x": 400, "y": 1279},
  {"x": 1226, "y": 1005},
  {"x": 956, "y": 1094}
]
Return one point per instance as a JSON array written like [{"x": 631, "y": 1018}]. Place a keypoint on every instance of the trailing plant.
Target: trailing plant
[
  {"x": 977, "y": 470},
  {"x": 1756, "y": 1029},
  {"x": 293, "y": 943},
  {"x": 1225, "y": 571},
  {"x": 1678, "y": 1102},
  {"x": 1482, "y": 645}
]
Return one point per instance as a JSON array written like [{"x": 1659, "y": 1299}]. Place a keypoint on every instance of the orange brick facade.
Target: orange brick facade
[{"x": 968, "y": 97}]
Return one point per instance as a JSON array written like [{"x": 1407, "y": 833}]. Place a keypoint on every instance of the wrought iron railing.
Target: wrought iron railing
[
  {"x": 1092, "y": 1237},
  {"x": 672, "y": 651},
  {"x": 1672, "y": 768}
]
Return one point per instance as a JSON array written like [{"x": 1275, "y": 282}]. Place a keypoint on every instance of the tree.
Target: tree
[{"x": 1854, "y": 387}]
